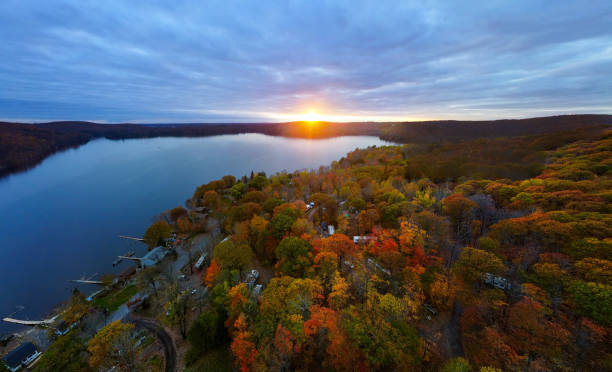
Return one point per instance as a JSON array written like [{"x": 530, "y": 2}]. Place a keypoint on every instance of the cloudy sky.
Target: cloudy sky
[{"x": 225, "y": 61}]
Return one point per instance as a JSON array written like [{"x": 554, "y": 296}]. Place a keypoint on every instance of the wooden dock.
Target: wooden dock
[
  {"x": 44, "y": 322},
  {"x": 82, "y": 281},
  {"x": 131, "y": 238}
]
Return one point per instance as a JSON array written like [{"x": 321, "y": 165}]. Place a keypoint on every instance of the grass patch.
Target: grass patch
[
  {"x": 146, "y": 342},
  {"x": 219, "y": 359},
  {"x": 115, "y": 299},
  {"x": 156, "y": 363}
]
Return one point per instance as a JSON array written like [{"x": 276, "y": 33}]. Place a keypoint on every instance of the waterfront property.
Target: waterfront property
[
  {"x": 22, "y": 356},
  {"x": 152, "y": 258}
]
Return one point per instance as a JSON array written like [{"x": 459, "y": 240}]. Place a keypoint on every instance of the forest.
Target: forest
[
  {"x": 430, "y": 267},
  {"x": 487, "y": 255},
  {"x": 23, "y": 146}
]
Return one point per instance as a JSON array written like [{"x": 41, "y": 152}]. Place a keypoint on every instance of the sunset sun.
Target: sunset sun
[{"x": 311, "y": 116}]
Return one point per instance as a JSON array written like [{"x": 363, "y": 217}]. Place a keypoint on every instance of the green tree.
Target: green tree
[
  {"x": 386, "y": 345},
  {"x": 473, "y": 263},
  {"x": 282, "y": 222},
  {"x": 593, "y": 300},
  {"x": 259, "y": 182},
  {"x": 207, "y": 332},
  {"x": 238, "y": 190},
  {"x": 489, "y": 244},
  {"x": 295, "y": 257},
  {"x": 457, "y": 365},
  {"x": 231, "y": 256},
  {"x": 271, "y": 203},
  {"x": 64, "y": 354},
  {"x": 157, "y": 233}
]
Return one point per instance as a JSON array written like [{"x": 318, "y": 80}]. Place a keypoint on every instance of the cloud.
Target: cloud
[{"x": 245, "y": 61}]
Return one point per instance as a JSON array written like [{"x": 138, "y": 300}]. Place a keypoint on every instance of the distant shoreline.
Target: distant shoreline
[{"x": 23, "y": 146}]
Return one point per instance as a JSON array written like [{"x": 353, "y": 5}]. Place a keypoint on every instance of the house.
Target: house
[
  {"x": 361, "y": 239},
  {"x": 23, "y": 355},
  {"x": 252, "y": 278},
  {"x": 497, "y": 281},
  {"x": 63, "y": 328},
  {"x": 153, "y": 257}
]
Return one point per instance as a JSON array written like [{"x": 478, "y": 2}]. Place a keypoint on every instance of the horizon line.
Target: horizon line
[{"x": 103, "y": 122}]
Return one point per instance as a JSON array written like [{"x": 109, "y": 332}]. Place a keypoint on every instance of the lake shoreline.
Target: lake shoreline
[
  {"x": 45, "y": 139},
  {"x": 61, "y": 220}
]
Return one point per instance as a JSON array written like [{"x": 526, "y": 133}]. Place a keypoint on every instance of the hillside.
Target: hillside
[
  {"x": 510, "y": 274},
  {"x": 23, "y": 146}
]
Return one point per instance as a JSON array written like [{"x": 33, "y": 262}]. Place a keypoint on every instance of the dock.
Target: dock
[
  {"x": 30, "y": 322},
  {"x": 131, "y": 238},
  {"x": 82, "y": 281}
]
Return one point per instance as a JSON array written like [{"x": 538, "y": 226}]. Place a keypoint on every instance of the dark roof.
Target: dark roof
[
  {"x": 62, "y": 326},
  {"x": 17, "y": 356},
  {"x": 127, "y": 272}
]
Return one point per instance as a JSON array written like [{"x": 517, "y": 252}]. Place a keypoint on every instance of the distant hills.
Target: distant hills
[{"x": 23, "y": 146}]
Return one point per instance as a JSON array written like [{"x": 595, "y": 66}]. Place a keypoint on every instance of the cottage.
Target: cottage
[{"x": 23, "y": 355}]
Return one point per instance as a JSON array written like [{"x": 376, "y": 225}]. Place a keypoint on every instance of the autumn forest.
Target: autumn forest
[{"x": 486, "y": 255}]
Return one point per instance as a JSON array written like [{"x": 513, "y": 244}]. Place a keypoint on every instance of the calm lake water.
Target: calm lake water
[{"x": 61, "y": 220}]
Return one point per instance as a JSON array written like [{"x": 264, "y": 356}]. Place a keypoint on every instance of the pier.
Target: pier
[
  {"x": 131, "y": 238},
  {"x": 44, "y": 322}
]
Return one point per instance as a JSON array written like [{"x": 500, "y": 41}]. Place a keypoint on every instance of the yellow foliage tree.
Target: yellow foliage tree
[{"x": 111, "y": 346}]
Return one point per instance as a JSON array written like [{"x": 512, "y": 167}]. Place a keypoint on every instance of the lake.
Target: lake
[{"x": 61, "y": 220}]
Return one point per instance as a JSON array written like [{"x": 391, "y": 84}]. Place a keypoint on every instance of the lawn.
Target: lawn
[
  {"x": 115, "y": 299},
  {"x": 214, "y": 360}
]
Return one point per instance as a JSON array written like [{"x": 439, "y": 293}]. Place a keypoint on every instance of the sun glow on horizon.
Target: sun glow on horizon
[{"x": 312, "y": 116}]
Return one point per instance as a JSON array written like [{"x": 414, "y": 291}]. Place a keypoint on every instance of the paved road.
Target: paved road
[
  {"x": 454, "y": 331},
  {"x": 164, "y": 338}
]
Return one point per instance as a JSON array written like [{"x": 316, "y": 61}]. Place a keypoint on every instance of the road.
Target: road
[
  {"x": 453, "y": 331},
  {"x": 162, "y": 336}
]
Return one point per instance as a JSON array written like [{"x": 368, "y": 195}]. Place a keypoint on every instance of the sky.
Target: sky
[{"x": 259, "y": 61}]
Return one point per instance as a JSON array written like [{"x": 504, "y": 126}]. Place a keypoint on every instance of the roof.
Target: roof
[
  {"x": 16, "y": 357},
  {"x": 154, "y": 256},
  {"x": 127, "y": 272}
]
